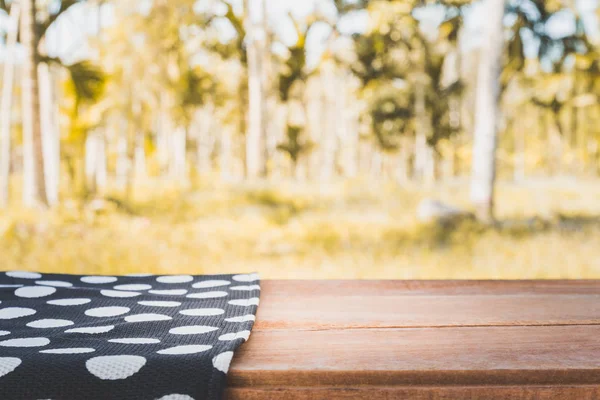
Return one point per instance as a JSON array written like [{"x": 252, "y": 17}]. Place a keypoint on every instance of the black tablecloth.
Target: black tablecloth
[{"x": 168, "y": 337}]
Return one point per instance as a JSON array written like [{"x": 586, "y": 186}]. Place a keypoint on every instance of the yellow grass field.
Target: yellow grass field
[{"x": 344, "y": 230}]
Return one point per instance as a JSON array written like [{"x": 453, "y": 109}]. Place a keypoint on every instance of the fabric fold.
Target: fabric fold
[{"x": 132, "y": 337}]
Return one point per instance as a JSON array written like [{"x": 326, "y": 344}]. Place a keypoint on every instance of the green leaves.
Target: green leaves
[
  {"x": 294, "y": 145},
  {"x": 88, "y": 81},
  {"x": 390, "y": 115},
  {"x": 379, "y": 57},
  {"x": 395, "y": 60},
  {"x": 293, "y": 67}
]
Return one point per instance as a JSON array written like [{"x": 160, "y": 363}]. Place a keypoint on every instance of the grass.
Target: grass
[{"x": 351, "y": 229}]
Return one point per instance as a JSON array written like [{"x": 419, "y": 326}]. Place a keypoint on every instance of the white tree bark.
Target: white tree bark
[
  {"x": 256, "y": 135},
  {"x": 101, "y": 168},
  {"x": 402, "y": 159},
  {"x": 424, "y": 157},
  {"x": 329, "y": 134},
  {"x": 226, "y": 154},
  {"x": 376, "y": 164},
  {"x": 351, "y": 140},
  {"x": 6, "y": 103},
  {"x": 50, "y": 136},
  {"x": 95, "y": 161},
  {"x": 178, "y": 155},
  {"x": 91, "y": 153},
  {"x": 487, "y": 112},
  {"x": 205, "y": 140},
  {"x": 139, "y": 158},
  {"x": 347, "y": 129},
  {"x": 34, "y": 182},
  {"x": 122, "y": 167},
  {"x": 163, "y": 136}
]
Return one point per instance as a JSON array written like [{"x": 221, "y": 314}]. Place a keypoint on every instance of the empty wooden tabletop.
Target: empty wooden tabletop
[{"x": 422, "y": 340}]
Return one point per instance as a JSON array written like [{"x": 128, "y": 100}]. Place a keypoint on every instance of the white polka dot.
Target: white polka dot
[
  {"x": 241, "y": 318},
  {"x": 98, "y": 279},
  {"x": 245, "y": 302},
  {"x": 10, "y": 286},
  {"x": 135, "y": 341},
  {"x": 107, "y": 311},
  {"x": 187, "y": 349},
  {"x": 169, "y": 292},
  {"x": 32, "y": 292},
  {"x": 133, "y": 287},
  {"x": 54, "y": 283},
  {"x": 160, "y": 303},
  {"x": 210, "y": 284},
  {"x": 23, "y": 274},
  {"x": 115, "y": 367},
  {"x": 8, "y": 365},
  {"x": 207, "y": 295},
  {"x": 233, "y": 336},
  {"x": 222, "y": 361},
  {"x": 176, "y": 396},
  {"x": 49, "y": 323},
  {"x": 192, "y": 330},
  {"x": 4, "y": 333},
  {"x": 246, "y": 278},
  {"x": 15, "y": 312},
  {"x": 175, "y": 279},
  {"x": 202, "y": 312},
  {"x": 118, "y": 293},
  {"x": 69, "y": 350},
  {"x": 26, "y": 342},
  {"x": 68, "y": 302},
  {"x": 92, "y": 329},
  {"x": 147, "y": 318},
  {"x": 140, "y": 275}
]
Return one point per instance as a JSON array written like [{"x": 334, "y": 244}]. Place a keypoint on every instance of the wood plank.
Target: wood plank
[
  {"x": 422, "y": 340},
  {"x": 424, "y": 287},
  {"x": 565, "y": 355},
  {"x": 395, "y": 304},
  {"x": 588, "y": 392}
]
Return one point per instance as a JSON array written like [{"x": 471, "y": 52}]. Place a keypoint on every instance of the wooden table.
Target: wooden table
[{"x": 422, "y": 340}]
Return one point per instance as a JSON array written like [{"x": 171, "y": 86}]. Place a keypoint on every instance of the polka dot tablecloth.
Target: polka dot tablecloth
[{"x": 144, "y": 337}]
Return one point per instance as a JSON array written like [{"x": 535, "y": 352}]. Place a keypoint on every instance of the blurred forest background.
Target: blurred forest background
[{"x": 309, "y": 139}]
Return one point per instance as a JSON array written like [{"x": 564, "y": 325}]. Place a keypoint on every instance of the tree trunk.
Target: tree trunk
[
  {"x": 163, "y": 136},
  {"x": 139, "y": 158},
  {"x": 122, "y": 167},
  {"x": 424, "y": 158},
  {"x": 91, "y": 152},
  {"x": 50, "y": 135},
  {"x": 205, "y": 140},
  {"x": 6, "y": 104},
  {"x": 34, "y": 190},
  {"x": 226, "y": 154},
  {"x": 95, "y": 141},
  {"x": 401, "y": 168},
  {"x": 255, "y": 137},
  {"x": 487, "y": 113},
  {"x": 178, "y": 155},
  {"x": 267, "y": 89},
  {"x": 95, "y": 161},
  {"x": 329, "y": 133}
]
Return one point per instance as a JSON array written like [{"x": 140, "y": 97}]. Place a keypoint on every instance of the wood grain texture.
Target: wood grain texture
[
  {"x": 422, "y": 340},
  {"x": 420, "y": 393},
  {"x": 378, "y": 304},
  {"x": 424, "y": 356}
]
